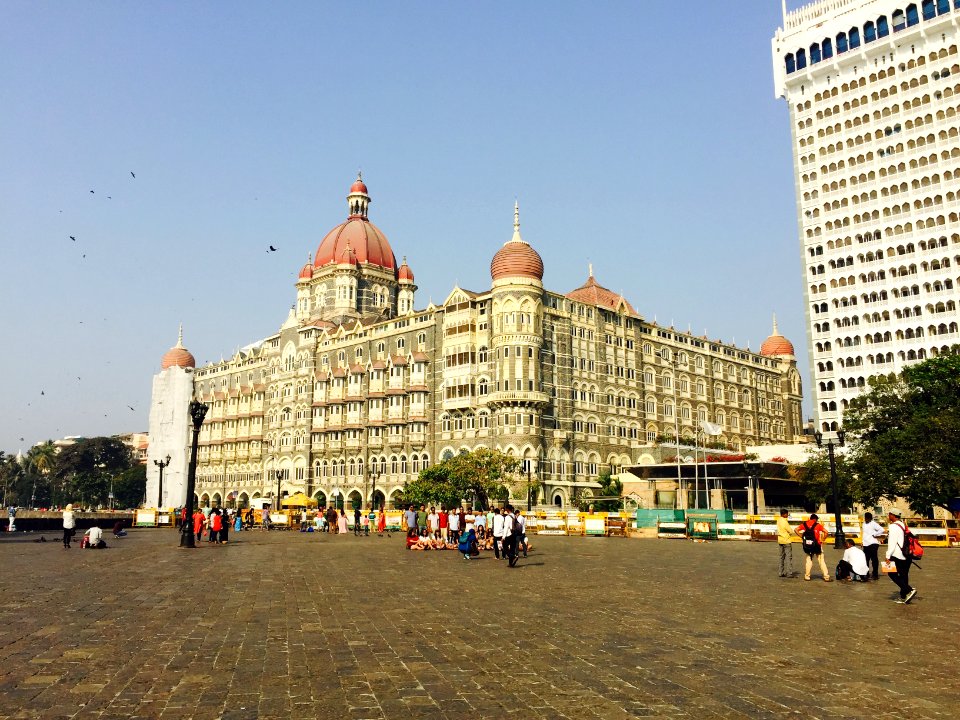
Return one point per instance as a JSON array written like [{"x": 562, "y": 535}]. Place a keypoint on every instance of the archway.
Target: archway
[
  {"x": 395, "y": 499},
  {"x": 379, "y": 500},
  {"x": 243, "y": 501},
  {"x": 216, "y": 500},
  {"x": 558, "y": 500},
  {"x": 321, "y": 498},
  {"x": 204, "y": 500},
  {"x": 354, "y": 500}
]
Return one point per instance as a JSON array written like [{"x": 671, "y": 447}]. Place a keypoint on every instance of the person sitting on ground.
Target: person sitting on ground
[
  {"x": 853, "y": 566},
  {"x": 419, "y": 542},
  {"x": 438, "y": 543},
  {"x": 94, "y": 538},
  {"x": 118, "y": 531}
]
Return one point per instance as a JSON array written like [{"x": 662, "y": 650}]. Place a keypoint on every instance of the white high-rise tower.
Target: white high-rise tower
[{"x": 873, "y": 88}]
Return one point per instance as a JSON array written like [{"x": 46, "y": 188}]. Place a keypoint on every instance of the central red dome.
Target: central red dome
[{"x": 358, "y": 236}]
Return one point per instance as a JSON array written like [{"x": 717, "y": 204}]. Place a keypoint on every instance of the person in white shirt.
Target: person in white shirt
[
  {"x": 872, "y": 532},
  {"x": 853, "y": 566},
  {"x": 509, "y": 538},
  {"x": 497, "y": 533},
  {"x": 69, "y": 525},
  {"x": 95, "y": 538},
  {"x": 896, "y": 538},
  {"x": 433, "y": 522},
  {"x": 522, "y": 537},
  {"x": 453, "y": 526}
]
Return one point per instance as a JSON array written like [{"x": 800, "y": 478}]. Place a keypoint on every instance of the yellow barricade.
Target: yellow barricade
[
  {"x": 930, "y": 533},
  {"x": 574, "y": 523},
  {"x": 738, "y": 529},
  {"x": 551, "y": 523}
]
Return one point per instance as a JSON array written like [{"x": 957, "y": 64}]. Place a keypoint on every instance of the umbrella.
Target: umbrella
[{"x": 298, "y": 500}]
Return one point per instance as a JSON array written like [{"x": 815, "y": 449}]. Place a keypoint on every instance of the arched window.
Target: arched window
[
  {"x": 827, "y": 48},
  {"x": 791, "y": 63},
  {"x": 814, "y": 54},
  {"x": 913, "y": 16},
  {"x": 801, "y": 59},
  {"x": 869, "y": 32},
  {"x": 899, "y": 20},
  {"x": 841, "y": 43},
  {"x": 854, "y": 38},
  {"x": 883, "y": 27}
]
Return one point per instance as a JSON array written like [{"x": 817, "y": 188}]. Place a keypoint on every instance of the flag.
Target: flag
[{"x": 711, "y": 428}]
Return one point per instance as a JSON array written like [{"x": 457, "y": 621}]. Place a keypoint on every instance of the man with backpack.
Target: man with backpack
[
  {"x": 813, "y": 534},
  {"x": 898, "y": 551}
]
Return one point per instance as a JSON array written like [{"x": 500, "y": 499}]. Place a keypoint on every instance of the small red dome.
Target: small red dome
[
  {"x": 776, "y": 345},
  {"x": 516, "y": 259},
  {"x": 358, "y": 187},
  {"x": 405, "y": 273},
  {"x": 306, "y": 272},
  {"x": 177, "y": 357}
]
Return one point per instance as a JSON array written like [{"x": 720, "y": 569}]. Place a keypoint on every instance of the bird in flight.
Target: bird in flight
[
  {"x": 92, "y": 192},
  {"x": 73, "y": 238},
  {"x": 132, "y": 409},
  {"x": 42, "y": 392},
  {"x": 272, "y": 249},
  {"x": 109, "y": 198},
  {"x": 132, "y": 175}
]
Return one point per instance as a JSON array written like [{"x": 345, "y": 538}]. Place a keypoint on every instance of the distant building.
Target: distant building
[
  {"x": 873, "y": 89},
  {"x": 138, "y": 443},
  {"x": 358, "y": 391}
]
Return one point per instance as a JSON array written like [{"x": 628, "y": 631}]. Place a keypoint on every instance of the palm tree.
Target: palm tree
[{"x": 40, "y": 460}]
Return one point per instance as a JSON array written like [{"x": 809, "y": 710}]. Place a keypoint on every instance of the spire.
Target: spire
[
  {"x": 516, "y": 223},
  {"x": 590, "y": 269},
  {"x": 775, "y": 331},
  {"x": 180, "y": 337}
]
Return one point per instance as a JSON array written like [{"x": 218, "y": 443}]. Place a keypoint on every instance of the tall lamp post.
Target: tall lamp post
[
  {"x": 373, "y": 475},
  {"x": 838, "y": 537},
  {"x": 752, "y": 468},
  {"x": 198, "y": 411},
  {"x": 279, "y": 474},
  {"x": 161, "y": 464}
]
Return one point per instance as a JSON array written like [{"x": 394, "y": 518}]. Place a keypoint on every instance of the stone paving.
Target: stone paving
[{"x": 290, "y": 625}]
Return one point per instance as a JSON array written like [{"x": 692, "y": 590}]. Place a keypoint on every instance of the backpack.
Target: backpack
[
  {"x": 912, "y": 549},
  {"x": 810, "y": 540}
]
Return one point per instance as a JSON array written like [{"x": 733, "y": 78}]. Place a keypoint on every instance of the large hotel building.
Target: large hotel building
[
  {"x": 873, "y": 89},
  {"x": 358, "y": 391}
]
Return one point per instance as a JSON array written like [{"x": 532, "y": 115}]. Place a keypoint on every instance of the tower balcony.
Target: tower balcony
[{"x": 515, "y": 397}]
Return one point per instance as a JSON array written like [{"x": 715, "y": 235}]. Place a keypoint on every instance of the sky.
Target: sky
[{"x": 640, "y": 137}]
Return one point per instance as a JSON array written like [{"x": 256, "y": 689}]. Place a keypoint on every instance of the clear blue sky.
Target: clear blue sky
[{"x": 642, "y": 137}]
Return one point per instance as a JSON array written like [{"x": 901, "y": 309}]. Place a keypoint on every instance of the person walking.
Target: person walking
[
  {"x": 216, "y": 522},
  {"x": 381, "y": 521},
  {"x": 785, "y": 544},
  {"x": 896, "y": 540},
  {"x": 871, "y": 535},
  {"x": 813, "y": 535},
  {"x": 356, "y": 520},
  {"x": 69, "y": 525},
  {"x": 342, "y": 522},
  {"x": 497, "y": 533},
  {"x": 521, "y": 529},
  {"x": 509, "y": 536},
  {"x": 225, "y": 526},
  {"x": 331, "y": 519},
  {"x": 198, "y": 524}
]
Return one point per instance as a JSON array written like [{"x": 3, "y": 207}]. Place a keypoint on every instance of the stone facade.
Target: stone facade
[{"x": 358, "y": 391}]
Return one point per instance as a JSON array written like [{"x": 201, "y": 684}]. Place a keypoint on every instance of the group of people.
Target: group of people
[
  {"x": 857, "y": 564},
  {"x": 214, "y": 522},
  {"x": 92, "y": 538},
  {"x": 468, "y": 531}
]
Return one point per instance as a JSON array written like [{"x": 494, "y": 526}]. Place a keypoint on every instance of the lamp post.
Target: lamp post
[
  {"x": 373, "y": 475},
  {"x": 529, "y": 496},
  {"x": 752, "y": 469},
  {"x": 838, "y": 537},
  {"x": 279, "y": 474},
  {"x": 160, "y": 464},
  {"x": 197, "y": 412}
]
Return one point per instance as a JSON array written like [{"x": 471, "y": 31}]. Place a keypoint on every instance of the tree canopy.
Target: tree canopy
[
  {"x": 908, "y": 435},
  {"x": 476, "y": 477},
  {"x": 609, "y": 495}
]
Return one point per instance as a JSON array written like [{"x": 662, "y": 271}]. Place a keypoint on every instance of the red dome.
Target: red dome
[
  {"x": 177, "y": 357},
  {"x": 405, "y": 273},
  {"x": 306, "y": 272},
  {"x": 776, "y": 345},
  {"x": 368, "y": 244},
  {"x": 516, "y": 259},
  {"x": 358, "y": 187}
]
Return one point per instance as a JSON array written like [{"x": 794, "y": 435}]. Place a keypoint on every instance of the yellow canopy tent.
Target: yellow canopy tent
[{"x": 299, "y": 500}]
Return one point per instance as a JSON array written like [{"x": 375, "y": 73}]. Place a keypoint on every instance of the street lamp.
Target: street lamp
[
  {"x": 373, "y": 475},
  {"x": 197, "y": 412},
  {"x": 160, "y": 464},
  {"x": 752, "y": 469},
  {"x": 838, "y": 537},
  {"x": 279, "y": 474}
]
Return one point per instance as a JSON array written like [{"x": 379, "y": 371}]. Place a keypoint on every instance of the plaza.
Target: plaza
[{"x": 291, "y": 625}]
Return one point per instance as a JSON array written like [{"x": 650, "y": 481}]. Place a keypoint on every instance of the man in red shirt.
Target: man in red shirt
[{"x": 813, "y": 534}]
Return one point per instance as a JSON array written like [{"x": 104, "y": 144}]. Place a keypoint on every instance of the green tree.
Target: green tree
[
  {"x": 84, "y": 469},
  {"x": 609, "y": 495},
  {"x": 908, "y": 432},
  {"x": 129, "y": 487},
  {"x": 477, "y": 477},
  {"x": 814, "y": 478}
]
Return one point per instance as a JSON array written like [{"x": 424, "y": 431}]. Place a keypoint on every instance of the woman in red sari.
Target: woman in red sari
[{"x": 381, "y": 522}]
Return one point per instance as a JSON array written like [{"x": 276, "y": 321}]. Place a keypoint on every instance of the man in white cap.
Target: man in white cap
[{"x": 896, "y": 534}]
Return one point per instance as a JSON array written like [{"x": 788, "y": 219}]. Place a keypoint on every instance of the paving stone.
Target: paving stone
[{"x": 280, "y": 625}]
